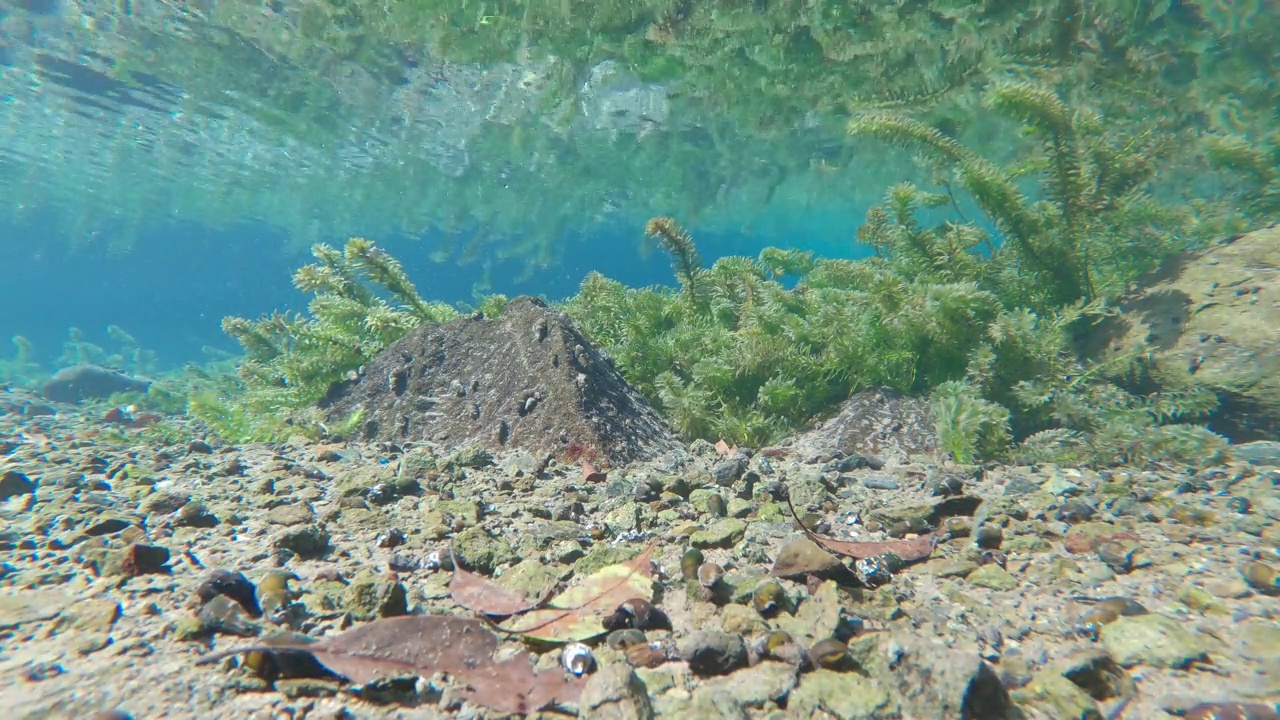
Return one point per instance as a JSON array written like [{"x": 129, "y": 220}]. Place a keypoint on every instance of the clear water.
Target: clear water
[{"x": 164, "y": 163}]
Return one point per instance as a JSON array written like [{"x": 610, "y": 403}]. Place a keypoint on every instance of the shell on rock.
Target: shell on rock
[{"x": 577, "y": 659}]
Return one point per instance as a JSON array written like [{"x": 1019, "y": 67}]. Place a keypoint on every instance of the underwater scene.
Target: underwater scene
[{"x": 633, "y": 359}]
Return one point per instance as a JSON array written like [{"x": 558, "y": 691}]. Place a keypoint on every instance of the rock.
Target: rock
[
  {"x": 880, "y": 482},
  {"x": 802, "y": 557},
  {"x": 848, "y": 696},
  {"x": 709, "y": 652},
  {"x": 1260, "y": 452},
  {"x": 97, "y": 615},
  {"x": 369, "y": 597},
  {"x": 90, "y": 382},
  {"x": 14, "y": 483},
  {"x": 527, "y": 380},
  {"x": 1096, "y": 673},
  {"x": 1057, "y": 697},
  {"x": 136, "y": 559},
  {"x": 875, "y": 422},
  {"x": 481, "y": 552},
  {"x": 757, "y": 686},
  {"x": 933, "y": 681},
  {"x": 1212, "y": 313},
  {"x": 1152, "y": 640},
  {"x": 298, "y": 513},
  {"x": 994, "y": 577},
  {"x": 723, "y": 533},
  {"x": 615, "y": 693},
  {"x": 307, "y": 541}
]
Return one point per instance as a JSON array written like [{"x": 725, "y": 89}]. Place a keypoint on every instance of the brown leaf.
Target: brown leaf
[
  {"x": 424, "y": 645},
  {"x": 724, "y": 449},
  {"x": 579, "y": 612},
  {"x": 477, "y": 594},
  {"x": 909, "y": 550}
]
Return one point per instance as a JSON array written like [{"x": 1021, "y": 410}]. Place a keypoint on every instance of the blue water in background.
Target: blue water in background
[{"x": 172, "y": 289}]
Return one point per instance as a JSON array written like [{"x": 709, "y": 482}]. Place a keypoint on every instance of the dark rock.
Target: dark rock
[
  {"x": 233, "y": 585},
  {"x": 498, "y": 385},
  {"x": 90, "y": 382},
  {"x": 14, "y": 483},
  {"x": 877, "y": 421},
  {"x": 710, "y": 652},
  {"x": 308, "y": 541}
]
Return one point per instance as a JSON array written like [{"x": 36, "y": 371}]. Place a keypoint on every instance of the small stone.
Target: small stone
[
  {"x": 137, "y": 559},
  {"x": 723, "y": 533},
  {"x": 992, "y": 576},
  {"x": 1020, "y": 486},
  {"x": 481, "y": 552},
  {"x": 292, "y": 514},
  {"x": 369, "y": 597},
  {"x": 623, "y": 519},
  {"x": 880, "y": 482},
  {"x": 96, "y": 616},
  {"x": 615, "y": 693},
  {"x": 307, "y": 541},
  {"x": 1058, "y": 484},
  {"x": 989, "y": 537},
  {"x": 195, "y": 515},
  {"x": 709, "y": 652},
  {"x": 1152, "y": 640}
]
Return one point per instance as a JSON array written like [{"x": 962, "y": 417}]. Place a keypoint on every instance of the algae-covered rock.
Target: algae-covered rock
[
  {"x": 482, "y": 552},
  {"x": 1211, "y": 317},
  {"x": 1152, "y": 640},
  {"x": 993, "y": 577},
  {"x": 844, "y": 695},
  {"x": 724, "y": 533}
]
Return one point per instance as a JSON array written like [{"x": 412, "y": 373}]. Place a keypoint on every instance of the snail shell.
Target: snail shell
[{"x": 578, "y": 659}]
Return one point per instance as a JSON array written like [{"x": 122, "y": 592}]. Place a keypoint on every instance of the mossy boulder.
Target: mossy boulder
[{"x": 1211, "y": 318}]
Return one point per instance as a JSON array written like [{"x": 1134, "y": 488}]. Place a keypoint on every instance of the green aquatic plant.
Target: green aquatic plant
[
  {"x": 126, "y": 355},
  {"x": 362, "y": 302},
  {"x": 1094, "y": 227},
  {"x": 1254, "y": 169},
  {"x": 20, "y": 369}
]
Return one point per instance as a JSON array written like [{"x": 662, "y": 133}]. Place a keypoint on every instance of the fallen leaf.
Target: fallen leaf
[
  {"x": 425, "y": 645},
  {"x": 724, "y": 449},
  {"x": 487, "y": 598},
  {"x": 908, "y": 550},
  {"x": 579, "y": 612}
]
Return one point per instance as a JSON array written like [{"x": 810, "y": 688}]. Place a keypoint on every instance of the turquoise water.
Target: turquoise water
[{"x": 164, "y": 164}]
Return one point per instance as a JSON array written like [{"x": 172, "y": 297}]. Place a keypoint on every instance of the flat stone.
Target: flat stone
[
  {"x": 1152, "y": 640},
  {"x": 723, "y": 533},
  {"x": 297, "y": 513},
  {"x": 844, "y": 695},
  {"x": 994, "y": 577}
]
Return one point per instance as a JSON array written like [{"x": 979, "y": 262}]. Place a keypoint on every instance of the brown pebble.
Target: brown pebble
[{"x": 1261, "y": 577}]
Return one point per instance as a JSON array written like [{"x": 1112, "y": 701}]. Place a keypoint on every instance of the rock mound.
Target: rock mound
[
  {"x": 90, "y": 382},
  {"x": 526, "y": 380},
  {"x": 1213, "y": 316},
  {"x": 875, "y": 422}
]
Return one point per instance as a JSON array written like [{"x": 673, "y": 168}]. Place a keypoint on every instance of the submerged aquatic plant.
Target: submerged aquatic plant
[
  {"x": 1096, "y": 227},
  {"x": 291, "y": 361}
]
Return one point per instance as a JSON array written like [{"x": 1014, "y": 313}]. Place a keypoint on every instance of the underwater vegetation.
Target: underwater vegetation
[
  {"x": 362, "y": 302},
  {"x": 750, "y": 349}
]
